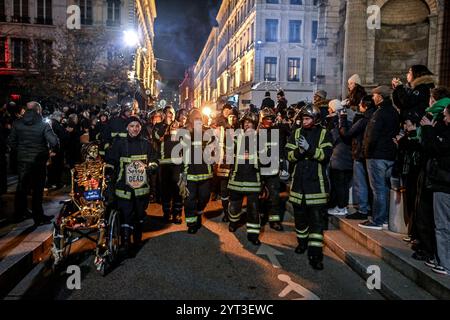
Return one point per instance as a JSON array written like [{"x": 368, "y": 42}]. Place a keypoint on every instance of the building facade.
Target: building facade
[
  {"x": 34, "y": 26},
  {"x": 258, "y": 46},
  {"x": 186, "y": 90},
  {"x": 410, "y": 32}
]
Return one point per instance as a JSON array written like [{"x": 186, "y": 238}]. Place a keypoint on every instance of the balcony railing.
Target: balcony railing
[
  {"x": 42, "y": 20},
  {"x": 19, "y": 19}
]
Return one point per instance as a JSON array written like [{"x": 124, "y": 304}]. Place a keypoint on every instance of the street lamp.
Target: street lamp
[{"x": 131, "y": 38}]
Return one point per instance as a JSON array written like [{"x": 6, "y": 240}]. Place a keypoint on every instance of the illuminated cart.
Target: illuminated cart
[{"x": 86, "y": 216}]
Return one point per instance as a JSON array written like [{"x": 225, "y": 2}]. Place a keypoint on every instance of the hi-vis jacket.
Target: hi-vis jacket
[
  {"x": 195, "y": 171},
  {"x": 269, "y": 148},
  {"x": 115, "y": 129},
  {"x": 310, "y": 181},
  {"x": 245, "y": 176},
  {"x": 223, "y": 168},
  {"x": 130, "y": 158},
  {"x": 164, "y": 135}
]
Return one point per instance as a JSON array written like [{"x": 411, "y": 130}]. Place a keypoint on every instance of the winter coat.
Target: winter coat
[
  {"x": 412, "y": 101},
  {"x": 355, "y": 96},
  {"x": 436, "y": 144},
  {"x": 355, "y": 133},
  {"x": 32, "y": 138},
  {"x": 268, "y": 102},
  {"x": 381, "y": 129},
  {"x": 341, "y": 158}
]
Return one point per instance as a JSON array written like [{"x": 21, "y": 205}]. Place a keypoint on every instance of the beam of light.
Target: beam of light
[{"x": 131, "y": 38}]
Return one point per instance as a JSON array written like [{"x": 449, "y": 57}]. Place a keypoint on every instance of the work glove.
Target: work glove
[
  {"x": 302, "y": 143},
  {"x": 182, "y": 184}
]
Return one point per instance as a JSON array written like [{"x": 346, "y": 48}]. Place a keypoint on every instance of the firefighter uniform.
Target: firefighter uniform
[
  {"x": 268, "y": 143},
  {"x": 310, "y": 187},
  {"x": 198, "y": 177},
  {"x": 131, "y": 159},
  {"x": 172, "y": 203},
  {"x": 245, "y": 180},
  {"x": 223, "y": 170}
]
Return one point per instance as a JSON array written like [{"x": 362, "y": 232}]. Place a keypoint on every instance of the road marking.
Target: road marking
[
  {"x": 292, "y": 286},
  {"x": 271, "y": 253}
]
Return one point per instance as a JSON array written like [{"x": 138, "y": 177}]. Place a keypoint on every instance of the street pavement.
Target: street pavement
[{"x": 213, "y": 264}]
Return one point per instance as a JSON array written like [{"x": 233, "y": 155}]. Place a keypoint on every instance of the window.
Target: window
[
  {"x": 2, "y": 11},
  {"x": 270, "y": 69},
  {"x": 271, "y": 30},
  {"x": 296, "y": 1},
  {"x": 2, "y": 53},
  {"x": 295, "y": 27},
  {"x": 113, "y": 13},
  {"x": 44, "y": 12},
  {"x": 20, "y": 11},
  {"x": 313, "y": 73},
  {"x": 294, "y": 69},
  {"x": 43, "y": 53},
  {"x": 315, "y": 2},
  {"x": 19, "y": 53},
  {"x": 86, "y": 11},
  {"x": 272, "y": 1},
  {"x": 314, "y": 29}
]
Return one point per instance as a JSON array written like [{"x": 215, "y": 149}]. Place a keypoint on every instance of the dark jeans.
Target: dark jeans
[
  {"x": 361, "y": 186},
  {"x": 31, "y": 176},
  {"x": 379, "y": 172},
  {"x": 55, "y": 170},
  {"x": 424, "y": 219},
  {"x": 340, "y": 186}
]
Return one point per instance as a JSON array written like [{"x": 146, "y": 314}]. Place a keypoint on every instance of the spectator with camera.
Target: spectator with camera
[{"x": 380, "y": 152}]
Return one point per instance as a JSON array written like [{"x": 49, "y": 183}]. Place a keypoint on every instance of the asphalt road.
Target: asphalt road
[{"x": 214, "y": 264}]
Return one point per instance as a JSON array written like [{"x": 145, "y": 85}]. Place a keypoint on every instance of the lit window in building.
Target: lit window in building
[
  {"x": 314, "y": 29},
  {"x": 295, "y": 27},
  {"x": 186, "y": 93},
  {"x": 2, "y": 52},
  {"x": 20, "y": 11},
  {"x": 313, "y": 73},
  {"x": 294, "y": 69},
  {"x": 44, "y": 12},
  {"x": 271, "y": 30},
  {"x": 113, "y": 13},
  {"x": 296, "y": 1},
  {"x": 270, "y": 69},
  {"x": 43, "y": 53},
  {"x": 19, "y": 53},
  {"x": 86, "y": 11},
  {"x": 2, "y": 11}
]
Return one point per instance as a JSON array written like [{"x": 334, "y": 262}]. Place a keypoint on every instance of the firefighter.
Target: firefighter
[
  {"x": 245, "y": 179},
  {"x": 117, "y": 126},
  {"x": 132, "y": 159},
  {"x": 196, "y": 177},
  {"x": 268, "y": 136},
  {"x": 223, "y": 168},
  {"x": 309, "y": 150},
  {"x": 165, "y": 134}
]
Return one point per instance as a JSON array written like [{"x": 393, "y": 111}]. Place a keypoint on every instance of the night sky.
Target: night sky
[{"x": 181, "y": 30}]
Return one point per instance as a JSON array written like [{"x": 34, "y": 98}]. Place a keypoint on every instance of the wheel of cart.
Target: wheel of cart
[
  {"x": 112, "y": 243},
  {"x": 62, "y": 238}
]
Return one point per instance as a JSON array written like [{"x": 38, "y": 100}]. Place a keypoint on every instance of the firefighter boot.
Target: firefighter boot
[
  {"x": 126, "y": 240},
  {"x": 316, "y": 262},
  {"x": 253, "y": 238},
  {"x": 277, "y": 226},
  {"x": 302, "y": 246}
]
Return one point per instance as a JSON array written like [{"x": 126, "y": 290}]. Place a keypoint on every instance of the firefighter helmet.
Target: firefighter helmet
[
  {"x": 310, "y": 111},
  {"x": 267, "y": 113},
  {"x": 250, "y": 116},
  {"x": 126, "y": 104}
]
